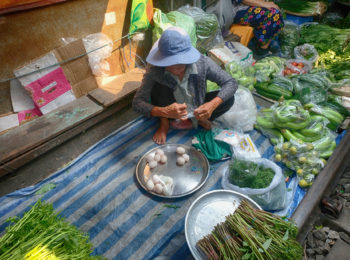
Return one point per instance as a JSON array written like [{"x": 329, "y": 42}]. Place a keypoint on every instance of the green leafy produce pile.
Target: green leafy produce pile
[
  {"x": 300, "y": 6},
  {"x": 331, "y": 43},
  {"x": 289, "y": 38},
  {"x": 42, "y": 234},
  {"x": 252, "y": 234},
  {"x": 246, "y": 174}
]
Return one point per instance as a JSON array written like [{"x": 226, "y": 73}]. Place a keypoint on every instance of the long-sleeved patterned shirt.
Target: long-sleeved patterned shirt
[{"x": 197, "y": 84}]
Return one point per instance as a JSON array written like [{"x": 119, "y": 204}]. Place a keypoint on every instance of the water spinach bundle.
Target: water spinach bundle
[
  {"x": 252, "y": 234},
  {"x": 42, "y": 234}
]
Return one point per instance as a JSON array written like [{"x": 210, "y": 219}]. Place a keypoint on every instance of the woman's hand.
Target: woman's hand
[
  {"x": 176, "y": 111},
  {"x": 204, "y": 111}
]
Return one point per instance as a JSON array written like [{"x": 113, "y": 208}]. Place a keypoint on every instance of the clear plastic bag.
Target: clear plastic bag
[
  {"x": 298, "y": 66},
  {"x": 238, "y": 73},
  {"x": 163, "y": 21},
  {"x": 242, "y": 115},
  {"x": 99, "y": 47},
  {"x": 207, "y": 28},
  {"x": 224, "y": 11},
  {"x": 273, "y": 197},
  {"x": 306, "y": 52},
  {"x": 289, "y": 38},
  {"x": 241, "y": 144}
]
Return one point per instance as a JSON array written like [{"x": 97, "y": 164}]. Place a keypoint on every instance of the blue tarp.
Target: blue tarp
[{"x": 99, "y": 194}]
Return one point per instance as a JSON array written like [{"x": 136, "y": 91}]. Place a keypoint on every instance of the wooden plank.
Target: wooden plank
[
  {"x": 30, "y": 155},
  {"x": 113, "y": 89},
  {"x": 326, "y": 179},
  {"x": 5, "y": 99},
  {"x": 36, "y": 132}
]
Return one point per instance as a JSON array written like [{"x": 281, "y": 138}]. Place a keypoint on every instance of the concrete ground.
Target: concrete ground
[{"x": 62, "y": 155}]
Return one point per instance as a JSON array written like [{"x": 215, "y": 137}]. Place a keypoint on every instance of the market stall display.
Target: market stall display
[
  {"x": 207, "y": 211},
  {"x": 249, "y": 233}
]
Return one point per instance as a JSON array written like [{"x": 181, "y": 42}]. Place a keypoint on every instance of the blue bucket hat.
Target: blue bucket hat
[{"x": 173, "y": 47}]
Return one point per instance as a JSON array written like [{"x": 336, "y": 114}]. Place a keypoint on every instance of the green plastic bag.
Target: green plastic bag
[
  {"x": 141, "y": 15},
  {"x": 163, "y": 21}
]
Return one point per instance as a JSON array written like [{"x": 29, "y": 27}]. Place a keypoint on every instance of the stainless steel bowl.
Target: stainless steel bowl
[{"x": 187, "y": 178}]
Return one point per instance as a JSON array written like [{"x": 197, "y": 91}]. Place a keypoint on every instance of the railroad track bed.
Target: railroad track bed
[{"x": 329, "y": 237}]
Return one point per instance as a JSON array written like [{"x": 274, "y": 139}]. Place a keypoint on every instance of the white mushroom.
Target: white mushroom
[
  {"x": 150, "y": 185},
  {"x": 180, "y": 161},
  {"x": 163, "y": 159},
  {"x": 186, "y": 157},
  {"x": 180, "y": 150},
  {"x": 152, "y": 164},
  {"x": 158, "y": 188}
]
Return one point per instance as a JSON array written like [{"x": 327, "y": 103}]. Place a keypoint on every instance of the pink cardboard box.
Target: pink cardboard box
[{"x": 49, "y": 87}]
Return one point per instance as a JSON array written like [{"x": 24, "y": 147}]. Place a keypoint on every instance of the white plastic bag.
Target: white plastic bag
[
  {"x": 99, "y": 47},
  {"x": 241, "y": 144},
  {"x": 273, "y": 197},
  {"x": 242, "y": 54},
  {"x": 242, "y": 115}
]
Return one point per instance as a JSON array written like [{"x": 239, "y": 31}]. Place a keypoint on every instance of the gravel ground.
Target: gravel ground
[{"x": 320, "y": 240}]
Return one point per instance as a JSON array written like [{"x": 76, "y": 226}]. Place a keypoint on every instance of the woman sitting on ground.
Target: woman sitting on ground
[
  {"x": 264, "y": 17},
  {"x": 175, "y": 80}
]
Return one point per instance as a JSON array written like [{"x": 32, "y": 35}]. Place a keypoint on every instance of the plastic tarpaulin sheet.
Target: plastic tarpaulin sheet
[{"x": 99, "y": 194}]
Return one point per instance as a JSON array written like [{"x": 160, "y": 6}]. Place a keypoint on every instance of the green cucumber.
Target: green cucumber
[
  {"x": 273, "y": 89},
  {"x": 267, "y": 94},
  {"x": 337, "y": 107}
]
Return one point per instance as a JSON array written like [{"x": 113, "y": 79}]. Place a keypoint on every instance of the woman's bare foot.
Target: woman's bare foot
[
  {"x": 160, "y": 136},
  {"x": 206, "y": 124}
]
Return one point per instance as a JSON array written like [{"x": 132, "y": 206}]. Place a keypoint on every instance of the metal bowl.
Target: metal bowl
[
  {"x": 207, "y": 211},
  {"x": 187, "y": 178}
]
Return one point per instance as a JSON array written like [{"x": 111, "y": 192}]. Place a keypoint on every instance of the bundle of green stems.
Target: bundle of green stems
[
  {"x": 250, "y": 233},
  {"x": 40, "y": 233}
]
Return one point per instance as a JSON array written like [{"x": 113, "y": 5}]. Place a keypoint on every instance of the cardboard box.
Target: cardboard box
[{"x": 58, "y": 84}]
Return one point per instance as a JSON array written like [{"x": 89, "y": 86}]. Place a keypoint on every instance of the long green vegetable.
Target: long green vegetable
[
  {"x": 331, "y": 43},
  {"x": 252, "y": 234},
  {"x": 42, "y": 234},
  {"x": 300, "y": 6}
]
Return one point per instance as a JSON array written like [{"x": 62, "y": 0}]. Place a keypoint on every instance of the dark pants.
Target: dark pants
[{"x": 163, "y": 96}]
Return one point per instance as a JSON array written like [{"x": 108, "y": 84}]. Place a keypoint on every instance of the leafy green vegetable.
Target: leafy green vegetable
[
  {"x": 41, "y": 232},
  {"x": 252, "y": 234},
  {"x": 246, "y": 174},
  {"x": 300, "y": 6},
  {"x": 289, "y": 38}
]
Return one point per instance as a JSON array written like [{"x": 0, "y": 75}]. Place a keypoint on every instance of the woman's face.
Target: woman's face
[{"x": 177, "y": 70}]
